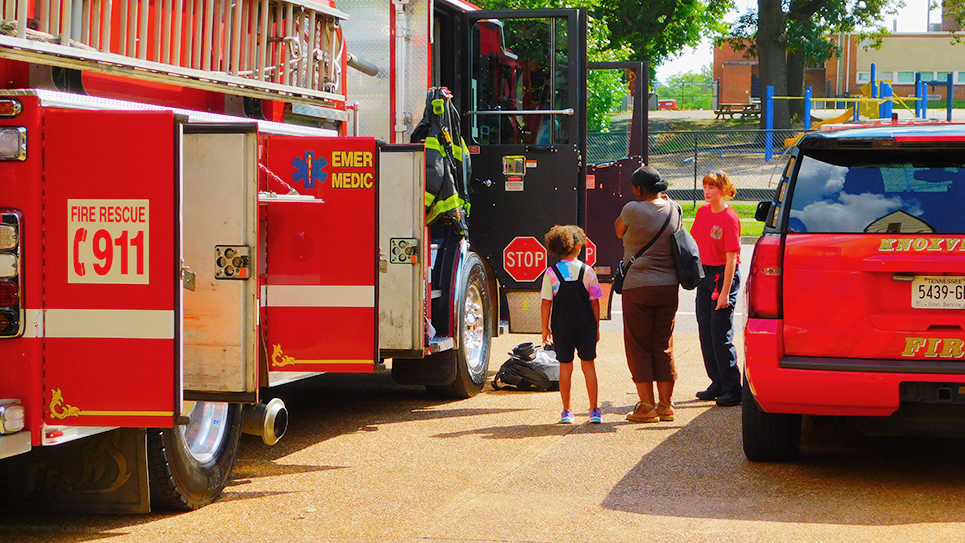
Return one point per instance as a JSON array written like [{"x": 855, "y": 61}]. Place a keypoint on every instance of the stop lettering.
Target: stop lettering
[
  {"x": 524, "y": 259},
  {"x": 590, "y": 253}
]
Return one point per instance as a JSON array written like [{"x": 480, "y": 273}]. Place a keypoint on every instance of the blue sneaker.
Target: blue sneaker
[
  {"x": 567, "y": 417},
  {"x": 595, "y": 416}
]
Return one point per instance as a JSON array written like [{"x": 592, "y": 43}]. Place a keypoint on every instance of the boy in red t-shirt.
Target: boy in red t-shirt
[{"x": 717, "y": 230}]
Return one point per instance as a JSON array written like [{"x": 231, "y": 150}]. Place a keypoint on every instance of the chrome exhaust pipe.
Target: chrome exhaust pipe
[{"x": 268, "y": 421}]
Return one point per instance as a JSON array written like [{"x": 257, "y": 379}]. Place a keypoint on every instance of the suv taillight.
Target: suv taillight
[
  {"x": 11, "y": 274},
  {"x": 764, "y": 283}
]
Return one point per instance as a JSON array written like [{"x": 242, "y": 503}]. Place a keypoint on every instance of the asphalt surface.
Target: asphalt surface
[{"x": 368, "y": 460}]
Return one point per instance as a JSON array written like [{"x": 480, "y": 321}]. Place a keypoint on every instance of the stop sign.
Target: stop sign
[
  {"x": 524, "y": 259},
  {"x": 590, "y": 253}
]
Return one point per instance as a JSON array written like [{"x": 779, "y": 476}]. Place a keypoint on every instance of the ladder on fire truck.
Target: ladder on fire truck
[{"x": 255, "y": 48}]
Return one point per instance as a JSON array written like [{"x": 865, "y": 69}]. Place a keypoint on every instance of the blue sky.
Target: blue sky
[{"x": 911, "y": 18}]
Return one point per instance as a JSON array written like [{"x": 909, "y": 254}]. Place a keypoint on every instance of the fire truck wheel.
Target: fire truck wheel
[
  {"x": 768, "y": 437},
  {"x": 189, "y": 465},
  {"x": 475, "y": 321}
]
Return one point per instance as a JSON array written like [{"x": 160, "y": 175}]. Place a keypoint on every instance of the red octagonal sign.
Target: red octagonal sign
[
  {"x": 524, "y": 259},
  {"x": 590, "y": 253}
]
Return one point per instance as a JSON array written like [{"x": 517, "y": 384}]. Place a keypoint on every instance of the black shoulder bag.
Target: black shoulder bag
[
  {"x": 686, "y": 256},
  {"x": 621, "y": 273}
]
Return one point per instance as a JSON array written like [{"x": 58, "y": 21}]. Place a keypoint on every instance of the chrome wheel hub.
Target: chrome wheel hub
[
  {"x": 206, "y": 431},
  {"x": 474, "y": 329}
]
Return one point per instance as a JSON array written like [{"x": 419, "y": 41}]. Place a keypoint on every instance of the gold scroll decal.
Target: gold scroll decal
[
  {"x": 61, "y": 410},
  {"x": 280, "y": 359}
]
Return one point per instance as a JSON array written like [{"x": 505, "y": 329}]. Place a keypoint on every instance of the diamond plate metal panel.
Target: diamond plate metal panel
[
  {"x": 524, "y": 316},
  {"x": 416, "y": 78},
  {"x": 524, "y": 309},
  {"x": 367, "y": 34}
]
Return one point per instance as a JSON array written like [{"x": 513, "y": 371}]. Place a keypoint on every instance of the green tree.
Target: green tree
[
  {"x": 658, "y": 30},
  {"x": 787, "y": 36},
  {"x": 692, "y": 90}
]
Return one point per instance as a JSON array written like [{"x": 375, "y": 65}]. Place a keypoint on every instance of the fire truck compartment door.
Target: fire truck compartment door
[
  {"x": 402, "y": 277},
  {"x": 112, "y": 288},
  {"x": 220, "y": 206},
  {"x": 321, "y": 257},
  {"x": 524, "y": 98}
]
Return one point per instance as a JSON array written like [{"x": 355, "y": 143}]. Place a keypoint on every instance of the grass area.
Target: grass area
[{"x": 744, "y": 211}]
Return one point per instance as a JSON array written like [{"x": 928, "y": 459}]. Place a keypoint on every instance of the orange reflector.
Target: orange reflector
[{"x": 10, "y": 108}]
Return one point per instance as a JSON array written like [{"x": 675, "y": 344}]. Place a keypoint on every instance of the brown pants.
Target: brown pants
[{"x": 648, "y": 320}]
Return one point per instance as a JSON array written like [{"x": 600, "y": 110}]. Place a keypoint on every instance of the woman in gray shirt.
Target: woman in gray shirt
[{"x": 649, "y": 295}]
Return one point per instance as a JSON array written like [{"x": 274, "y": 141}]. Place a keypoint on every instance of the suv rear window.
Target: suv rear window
[{"x": 877, "y": 192}]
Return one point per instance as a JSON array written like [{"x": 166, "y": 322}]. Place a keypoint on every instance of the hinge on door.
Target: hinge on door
[{"x": 189, "y": 278}]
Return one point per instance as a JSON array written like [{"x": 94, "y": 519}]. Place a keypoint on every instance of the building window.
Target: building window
[
  {"x": 905, "y": 77},
  {"x": 864, "y": 77},
  {"x": 942, "y": 76},
  {"x": 927, "y": 76},
  {"x": 961, "y": 78}
]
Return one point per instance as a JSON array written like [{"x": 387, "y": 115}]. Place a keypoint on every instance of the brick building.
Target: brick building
[{"x": 933, "y": 54}]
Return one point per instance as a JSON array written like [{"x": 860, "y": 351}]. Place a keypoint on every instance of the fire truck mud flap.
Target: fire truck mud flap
[{"x": 189, "y": 464}]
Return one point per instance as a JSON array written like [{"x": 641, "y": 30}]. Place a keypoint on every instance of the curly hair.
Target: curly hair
[
  {"x": 562, "y": 240},
  {"x": 721, "y": 180}
]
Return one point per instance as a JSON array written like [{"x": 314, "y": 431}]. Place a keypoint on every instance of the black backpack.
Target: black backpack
[{"x": 520, "y": 374}]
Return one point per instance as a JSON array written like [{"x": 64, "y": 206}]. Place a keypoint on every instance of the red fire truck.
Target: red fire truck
[{"x": 199, "y": 200}]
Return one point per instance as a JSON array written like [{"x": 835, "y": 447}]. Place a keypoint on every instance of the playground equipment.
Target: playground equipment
[{"x": 877, "y": 101}]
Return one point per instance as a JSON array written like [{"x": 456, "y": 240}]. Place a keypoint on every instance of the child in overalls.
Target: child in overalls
[{"x": 570, "y": 313}]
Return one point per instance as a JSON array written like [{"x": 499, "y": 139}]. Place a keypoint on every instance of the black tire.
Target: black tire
[
  {"x": 768, "y": 437},
  {"x": 189, "y": 465},
  {"x": 474, "y": 324}
]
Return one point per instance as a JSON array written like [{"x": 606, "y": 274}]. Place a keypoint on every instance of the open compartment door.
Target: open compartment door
[
  {"x": 112, "y": 290},
  {"x": 321, "y": 257},
  {"x": 219, "y": 248},
  {"x": 404, "y": 274}
]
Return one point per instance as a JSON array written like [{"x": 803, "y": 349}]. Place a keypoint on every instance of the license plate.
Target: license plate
[{"x": 937, "y": 292}]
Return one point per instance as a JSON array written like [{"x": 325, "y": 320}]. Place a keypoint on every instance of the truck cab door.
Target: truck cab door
[
  {"x": 112, "y": 287},
  {"x": 524, "y": 103}
]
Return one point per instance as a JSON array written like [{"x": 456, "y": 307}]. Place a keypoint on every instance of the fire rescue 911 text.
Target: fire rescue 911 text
[{"x": 108, "y": 214}]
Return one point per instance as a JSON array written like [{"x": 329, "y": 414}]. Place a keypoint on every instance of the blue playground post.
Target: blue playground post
[
  {"x": 948, "y": 101},
  {"x": 885, "y": 109},
  {"x": 874, "y": 78},
  {"x": 924, "y": 100},
  {"x": 807, "y": 109},
  {"x": 918, "y": 95},
  {"x": 769, "y": 124}
]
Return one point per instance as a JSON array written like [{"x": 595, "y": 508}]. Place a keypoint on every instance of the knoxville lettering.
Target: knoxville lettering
[{"x": 922, "y": 244}]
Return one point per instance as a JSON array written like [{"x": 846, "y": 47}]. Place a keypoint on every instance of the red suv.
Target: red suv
[{"x": 856, "y": 295}]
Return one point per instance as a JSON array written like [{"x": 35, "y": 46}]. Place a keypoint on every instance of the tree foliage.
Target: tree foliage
[
  {"x": 788, "y": 36},
  {"x": 651, "y": 30},
  {"x": 659, "y": 30},
  {"x": 692, "y": 90}
]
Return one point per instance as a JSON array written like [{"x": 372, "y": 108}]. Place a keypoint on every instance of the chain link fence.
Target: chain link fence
[
  {"x": 606, "y": 146},
  {"x": 684, "y": 157}
]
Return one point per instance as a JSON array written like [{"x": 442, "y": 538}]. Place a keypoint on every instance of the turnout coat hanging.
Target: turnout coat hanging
[{"x": 447, "y": 159}]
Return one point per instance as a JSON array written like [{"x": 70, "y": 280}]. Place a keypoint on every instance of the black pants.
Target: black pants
[{"x": 716, "y": 330}]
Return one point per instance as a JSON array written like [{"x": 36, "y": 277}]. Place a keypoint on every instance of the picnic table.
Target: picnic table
[{"x": 752, "y": 111}]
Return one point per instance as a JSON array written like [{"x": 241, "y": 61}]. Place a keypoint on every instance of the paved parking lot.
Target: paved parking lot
[{"x": 367, "y": 460}]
